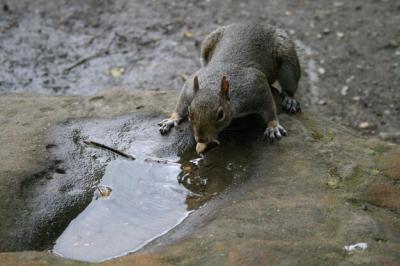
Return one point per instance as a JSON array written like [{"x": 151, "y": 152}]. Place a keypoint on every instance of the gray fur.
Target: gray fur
[{"x": 252, "y": 57}]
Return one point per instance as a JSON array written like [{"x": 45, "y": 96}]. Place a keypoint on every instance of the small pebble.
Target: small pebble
[
  {"x": 188, "y": 34},
  {"x": 358, "y": 246},
  {"x": 363, "y": 125},
  {"x": 321, "y": 70},
  {"x": 350, "y": 79},
  {"x": 340, "y": 35},
  {"x": 344, "y": 90},
  {"x": 333, "y": 183}
]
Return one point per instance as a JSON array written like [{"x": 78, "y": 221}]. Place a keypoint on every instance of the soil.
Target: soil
[{"x": 350, "y": 49}]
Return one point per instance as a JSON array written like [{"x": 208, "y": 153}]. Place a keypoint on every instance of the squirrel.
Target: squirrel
[{"x": 240, "y": 62}]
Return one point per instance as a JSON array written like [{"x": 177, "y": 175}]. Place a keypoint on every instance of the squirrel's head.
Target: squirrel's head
[{"x": 209, "y": 113}]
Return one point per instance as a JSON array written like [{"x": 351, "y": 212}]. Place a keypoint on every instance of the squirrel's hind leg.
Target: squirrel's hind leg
[
  {"x": 289, "y": 104},
  {"x": 288, "y": 77}
]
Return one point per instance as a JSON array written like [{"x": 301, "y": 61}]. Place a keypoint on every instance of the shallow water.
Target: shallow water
[
  {"x": 137, "y": 201},
  {"x": 147, "y": 199}
]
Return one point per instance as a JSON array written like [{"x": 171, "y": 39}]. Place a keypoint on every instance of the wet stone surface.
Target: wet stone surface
[{"x": 300, "y": 201}]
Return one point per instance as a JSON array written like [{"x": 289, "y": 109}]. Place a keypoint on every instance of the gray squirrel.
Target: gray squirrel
[{"x": 240, "y": 62}]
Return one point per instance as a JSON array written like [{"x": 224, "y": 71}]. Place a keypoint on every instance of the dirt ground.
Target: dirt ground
[{"x": 350, "y": 49}]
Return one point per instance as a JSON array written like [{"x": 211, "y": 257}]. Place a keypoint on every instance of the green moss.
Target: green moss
[
  {"x": 312, "y": 127},
  {"x": 381, "y": 147},
  {"x": 334, "y": 172},
  {"x": 330, "y": 136},
  {"x": 356, "y": 178},
  {"x": 315, "y": 134},
  {"x": 375, "y": 172}
]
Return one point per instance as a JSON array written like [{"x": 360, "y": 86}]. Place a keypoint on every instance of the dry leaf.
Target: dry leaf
[
  {"x": 116, "y": 71},
  {"x": 104, "y": 191},
  {"x": 188, "y": 34}
]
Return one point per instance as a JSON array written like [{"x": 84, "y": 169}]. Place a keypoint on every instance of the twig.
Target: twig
[
  {"x": 86, "y": 59},
  {"x": 90, "y": 142},
  {"x": 157, "y": 160}
]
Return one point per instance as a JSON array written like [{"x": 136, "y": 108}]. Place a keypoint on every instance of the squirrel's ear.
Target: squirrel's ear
[
  {"x": 225, "y": 88},
  {"x": 196, "y": 86}
]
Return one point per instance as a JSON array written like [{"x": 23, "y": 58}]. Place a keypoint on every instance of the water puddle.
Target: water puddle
[
  {"x": 138, "y": 201},
  {"x": 145, "y": 202}
]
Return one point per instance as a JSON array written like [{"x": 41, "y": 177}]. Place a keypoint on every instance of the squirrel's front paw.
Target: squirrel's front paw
[
  {"x": 274, "y": 133},
  {"x": 166, "y": 125}
]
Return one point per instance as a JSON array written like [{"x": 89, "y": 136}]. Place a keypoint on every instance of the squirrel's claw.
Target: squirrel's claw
[
  {"x": 290, "y": 105},
  {"x": 274, "y": 133},
  {"x": 166, "y": 125}
]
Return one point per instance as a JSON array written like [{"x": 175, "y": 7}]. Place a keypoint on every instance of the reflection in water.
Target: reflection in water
[{"x": 205, "y": 178}]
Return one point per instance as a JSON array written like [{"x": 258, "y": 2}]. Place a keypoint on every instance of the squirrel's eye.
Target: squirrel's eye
[{"x": 220, "y": 115}]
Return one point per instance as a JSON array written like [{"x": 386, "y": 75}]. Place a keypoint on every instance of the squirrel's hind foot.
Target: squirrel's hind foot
[
  {"x": 290, "y": 105},
  {"x": 274, "y": 133}
]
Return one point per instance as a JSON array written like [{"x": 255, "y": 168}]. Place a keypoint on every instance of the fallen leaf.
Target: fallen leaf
[
  {"x": 188, "y": 34},
  {"x": 116, "y": 71},
  {"x": 104, "y": 191}
]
